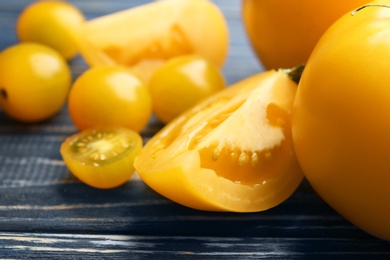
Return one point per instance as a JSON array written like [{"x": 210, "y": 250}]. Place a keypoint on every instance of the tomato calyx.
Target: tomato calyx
[
  {"x": 3, "y": 93},
  {"x": 294, "y": 73}
]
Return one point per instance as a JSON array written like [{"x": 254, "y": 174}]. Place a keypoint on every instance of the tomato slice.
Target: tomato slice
[
  {"x": 102, "y": 157},
  {"x": 231, "y": 152}
]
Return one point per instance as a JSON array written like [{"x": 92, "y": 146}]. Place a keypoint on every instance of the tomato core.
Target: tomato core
[{"x": 100, "y": 147}]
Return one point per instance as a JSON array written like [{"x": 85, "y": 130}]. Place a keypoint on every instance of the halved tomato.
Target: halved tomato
[
  {"x": 102, "y": 157},
  {"x": 231, "y": 152},
  {"x": 144, "y": 37}
]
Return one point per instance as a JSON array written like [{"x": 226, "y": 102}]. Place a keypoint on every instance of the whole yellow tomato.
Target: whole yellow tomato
[
  {"x": 231, "y": 152},
  {"x": 34, "y": 81},
  {"x": 284, "y": 33},
  {"x": 181, "y": 82},
  {"x": 109, "y": 95},
  {"x": 341, "y": 118},
  {"x": 52, "y": 22}
]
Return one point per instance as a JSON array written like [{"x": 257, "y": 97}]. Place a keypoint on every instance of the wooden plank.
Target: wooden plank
[
  {"x": 135, "y": 209},
  {"x": 65, "y": 246},
  {"x": 47, "y": 213}
]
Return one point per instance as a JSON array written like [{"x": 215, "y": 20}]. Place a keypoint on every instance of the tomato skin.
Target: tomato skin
[
  {"x": 215, "y": 157},
  {"x": 54, "y": 23},
  {"x": 341, "y": 119},
  {"x": 109, "y": 95},
  {"x": 182, "y": 82},
  {"x": 284, "y": 33},
  {"x": 35, "y": 81}
]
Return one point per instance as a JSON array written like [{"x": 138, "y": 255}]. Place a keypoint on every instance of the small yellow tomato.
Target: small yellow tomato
[
  {"x": 341, "y": 118},
  {"x": 34, "y": 82},
  {"x": 182, "y": 82},
  {"x": 144, "y": 37},
  {"x": 284, "y": 33},
  {"x": 102, "y": 157},
  {"x": 109, "y": 95},
  {"x": 52, "y": 22},
  {"x": 231, "y": 152}
]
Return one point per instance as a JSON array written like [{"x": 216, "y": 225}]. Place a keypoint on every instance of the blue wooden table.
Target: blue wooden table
[{"x": 47, "y": 213}]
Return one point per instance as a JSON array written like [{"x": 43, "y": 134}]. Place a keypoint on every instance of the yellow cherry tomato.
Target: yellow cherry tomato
[
  {"x": 109, "y": 95},
  {"x": 102, "y": 157},
  {"x": 180, "y": 83},
  {"x": 284, "y": 33},
  {"x": 183, "y": 27},
  {"x": 341, "y": 119},
  {"x": 51, "y": 22},
  {"x": 34, "y": 82},
  {"x": 231, "y": 152}
]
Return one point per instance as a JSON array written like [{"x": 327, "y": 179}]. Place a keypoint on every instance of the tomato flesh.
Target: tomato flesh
[
  {"x": 231, "y": 152},
  {"x": 102, "y": 157}
]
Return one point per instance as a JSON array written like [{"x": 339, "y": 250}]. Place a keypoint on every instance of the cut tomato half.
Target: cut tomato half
[
  {"x": 231, "y": 152},
  {"x": 102, "y": 157},
  {"x": 144, "y": 37}
]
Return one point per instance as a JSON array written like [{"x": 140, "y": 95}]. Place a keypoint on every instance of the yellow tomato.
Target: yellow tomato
[
  {"x": 146, "y": 36},
  {"x": 109, "y": 95},
  {"x": 54, "y": 23},
  {"x": 284, "y": 33},
  {"x": 341, "y": 119},
  {"x": 231, "y": 152},
  {"x": 34, "y": 82},
  {"x": 102, "y": 157},
  {"x": 180, "y": 83}
]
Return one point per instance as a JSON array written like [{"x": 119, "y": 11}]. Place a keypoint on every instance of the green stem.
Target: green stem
[
  {"x": 295, "y": 73},
  {"x": 3, "y": 93}
]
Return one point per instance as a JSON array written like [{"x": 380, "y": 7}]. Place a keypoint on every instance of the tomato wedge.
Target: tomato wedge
[
  {"x": 231, "y": 152},
  {"x": 144, "y": 37},
  {"x": 102, "y": 157}
]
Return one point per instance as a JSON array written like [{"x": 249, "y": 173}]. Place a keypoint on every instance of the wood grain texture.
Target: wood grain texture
[
  {"x": 46, "y": 213},
  {"x": 62, "y": 246}
]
